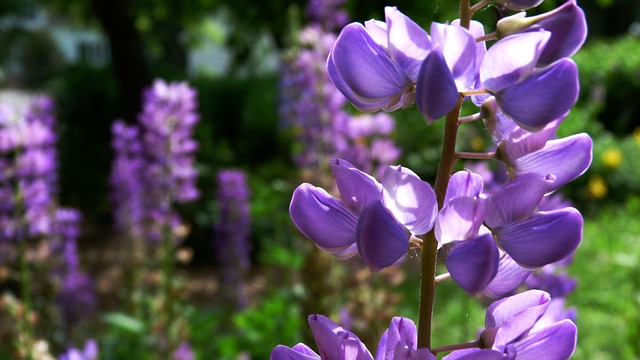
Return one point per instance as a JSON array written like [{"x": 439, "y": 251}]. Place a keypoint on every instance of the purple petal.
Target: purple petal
[
  {"x": 436, "y": 90},
  {"x": 556, "y": 312},
  {"x": 323, "y": 219},
  {"x": 555, "y": 342},
  {"x": 334, "y": 342},
  {"x": 298, "y": 352},
  {"x": 566, "y": 159},
  {"x": 382, "y": 240},
  {"x": 408, "y": 42},
  {"x": 516, "y": 315},
  {"x": 520, "y": 142},
  {"x": 543, "y": 97},
  {"x": 510, "y": 275},
  {"x": 357, "y": 188},
  {"x": 362, "y": 104},
  {"x": 473, "y": 263},
  {"x": 463, "y": 183},
  {"x": 459, "y": 49},
  {"x": 365, "y": 66},
  {"x": 411, "y": 200},
  {"x": 477, "y": 30},
  {"x": 546, "y": 237},
  {"x": 401, "y": 331},
  {"x": 475, "y": 354},
  {"x": 511, "y": 60},
  {"x": 459, "y": 219},
  {"x": 517, "y": 200},
  {"x": 568, "y": 28}
]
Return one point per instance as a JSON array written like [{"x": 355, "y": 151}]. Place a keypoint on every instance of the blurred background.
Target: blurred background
[{"x": 250, "y": 63}]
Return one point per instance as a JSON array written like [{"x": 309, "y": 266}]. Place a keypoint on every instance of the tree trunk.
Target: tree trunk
[{"x": 127, "y": 54}]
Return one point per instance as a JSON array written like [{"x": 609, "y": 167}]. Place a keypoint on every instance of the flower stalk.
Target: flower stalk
[{"x": 430, "y": 246}]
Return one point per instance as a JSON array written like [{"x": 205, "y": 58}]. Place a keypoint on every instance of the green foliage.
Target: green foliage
[
  {"x": 607, "y": 265},
  {"x": 255, "y": 331},
  {"x": 610, "y": 78}
]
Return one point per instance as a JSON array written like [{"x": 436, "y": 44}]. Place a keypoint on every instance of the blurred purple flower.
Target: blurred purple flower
[
  {"x": 89, "y": 352},
  {"x": 327, "y": 13},
  {"x": 28, "y": 166},
  {"x": 183, "y": 352},
  {"x": 127, "y": 188},
  {"x": 154, "y": 164},
  {"x": 232, "y": 230},
  {"x": 76, "y": 294}
]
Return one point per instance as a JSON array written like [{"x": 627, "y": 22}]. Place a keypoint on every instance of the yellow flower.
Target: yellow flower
[
  {"x": 636, "y": 135},
  {"x": 477, "y": 143},
  {"x": 612, "y": 158},
  {"x": 597, "y": 187}
]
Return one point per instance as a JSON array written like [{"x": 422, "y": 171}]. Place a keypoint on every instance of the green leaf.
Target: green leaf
[{"x": 124, "y": 322}]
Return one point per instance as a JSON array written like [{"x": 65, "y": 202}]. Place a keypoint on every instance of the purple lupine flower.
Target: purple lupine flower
[
  {"x": 169, "y": 114},
  {"x": 450, "y": 67},
  {"x": 527, "y": 93},
  {"x": 380, "y": 65},
  {"x": 471, "y": 223},
  {"x": 231, "y": 231},
  {"x": 376, "y": 65},
  {"x": 167, "y": 171},
  {"x": 372, "y": 218},
  {"x": 127, "y": 188},
  {"x": 76, "y": 295},
  {"x": 472, "y": 254},
  {"x": 511, "y": 331},
  {"x": 327, "y": 13},
  {"x": 89, "y": 352},
  {"x": 399, "y": 341},
  {"x": 28, "y": 166},
  {"x": 309, "y": 105}
]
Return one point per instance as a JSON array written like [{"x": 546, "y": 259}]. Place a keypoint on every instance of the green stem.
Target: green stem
[
  {"x": 25, "y": 292},
  {"x": 430, "y": 245}
]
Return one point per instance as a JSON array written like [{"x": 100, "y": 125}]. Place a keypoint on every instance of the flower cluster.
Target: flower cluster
[
  {"x": 515, "y": 327},
  {"x": 375, "y": 219},
  {"x": 153, "y": 165},
  {"x": 28, "y": 163},
  {"x": 491, "y": 237},
  {"x": 390, "y": 65}
]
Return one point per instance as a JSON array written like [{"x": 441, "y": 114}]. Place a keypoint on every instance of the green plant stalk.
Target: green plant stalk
[
  {"x": 24, "y": 344},
  {"x": 430, "y": 245}
]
